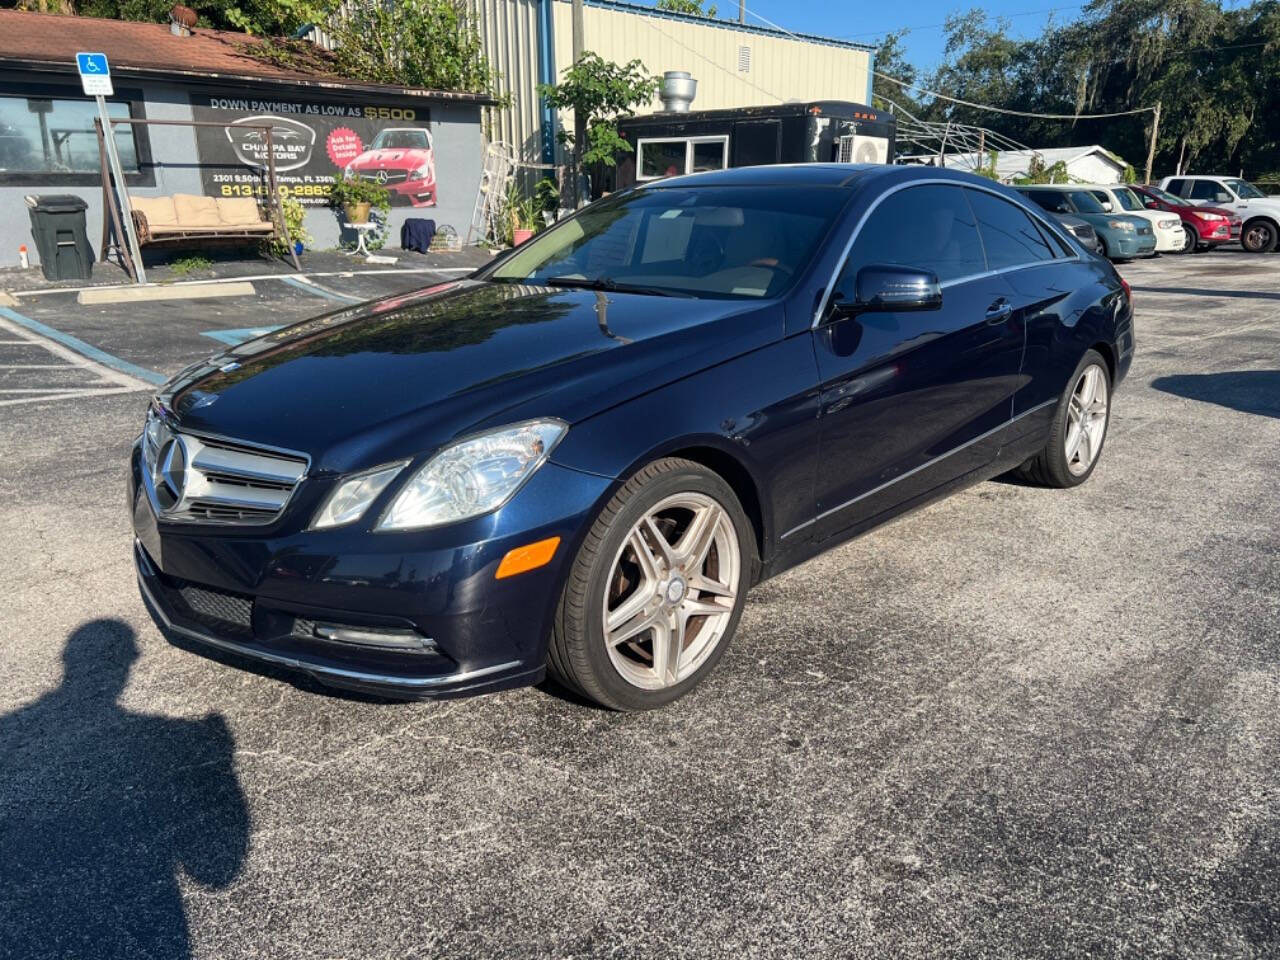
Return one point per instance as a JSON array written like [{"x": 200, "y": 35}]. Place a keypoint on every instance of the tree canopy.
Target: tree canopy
[{"x": 1216, "y": 71}]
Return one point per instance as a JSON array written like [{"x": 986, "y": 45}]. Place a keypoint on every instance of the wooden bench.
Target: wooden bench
[{"x": 187, "y": 218}]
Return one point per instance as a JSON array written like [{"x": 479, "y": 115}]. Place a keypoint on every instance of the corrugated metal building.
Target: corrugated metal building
[{"x": 736, "y": 65}]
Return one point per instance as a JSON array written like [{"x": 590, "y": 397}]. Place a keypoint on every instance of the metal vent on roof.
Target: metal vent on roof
[{"x": 744, "y": 59}]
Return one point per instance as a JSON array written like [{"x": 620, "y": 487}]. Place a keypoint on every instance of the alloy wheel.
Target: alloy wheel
[
  {"x": 671, "y": 591},
  {"x": 1086, "y": 419}
]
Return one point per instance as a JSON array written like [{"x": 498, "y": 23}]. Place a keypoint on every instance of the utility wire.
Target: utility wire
[
  {"x": 970, "y": 103},
  {"x": 1013, "y": 113}
]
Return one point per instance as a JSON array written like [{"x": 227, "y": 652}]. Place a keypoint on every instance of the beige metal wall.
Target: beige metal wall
[
  {"x": 509, "y": 30},
  {"x": 780, "y": 69}
]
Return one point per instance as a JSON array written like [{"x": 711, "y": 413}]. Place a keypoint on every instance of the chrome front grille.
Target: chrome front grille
[{"x": 211, "y": 480}]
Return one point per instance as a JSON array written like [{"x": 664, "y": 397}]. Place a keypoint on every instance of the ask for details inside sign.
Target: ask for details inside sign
[{"x": 311, "y": 142}]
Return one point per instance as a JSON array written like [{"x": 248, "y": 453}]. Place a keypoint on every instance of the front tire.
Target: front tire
[
  {"x": 1193, "y": 239},
  {"x": 1079, "y": 428},
  {"x": 1258, "y": 236},
  {"x": 656, "y": 590}
]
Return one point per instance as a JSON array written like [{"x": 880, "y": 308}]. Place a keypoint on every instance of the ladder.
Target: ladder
[{"x": 488, "y": 218}]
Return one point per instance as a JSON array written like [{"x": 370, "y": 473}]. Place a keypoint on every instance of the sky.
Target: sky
[{"x": 867, "y": 23}]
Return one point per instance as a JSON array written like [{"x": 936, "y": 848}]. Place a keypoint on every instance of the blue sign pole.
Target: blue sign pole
[{"x": 95, "y": 77}]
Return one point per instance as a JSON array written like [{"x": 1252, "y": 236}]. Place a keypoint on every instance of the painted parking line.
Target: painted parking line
[
  {"x": 234, "y": 338},
  {"x": 81, "y": 353},
  {"x": 96, "y": 379}
]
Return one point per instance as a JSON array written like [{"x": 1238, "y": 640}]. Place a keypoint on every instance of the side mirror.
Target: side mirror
[
  {"x": 891, "y": 289},
  {"x": 1106, "y": 206}
]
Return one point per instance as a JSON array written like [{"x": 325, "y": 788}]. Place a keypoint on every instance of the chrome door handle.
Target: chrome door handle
[{"x": 999, "y": 312}]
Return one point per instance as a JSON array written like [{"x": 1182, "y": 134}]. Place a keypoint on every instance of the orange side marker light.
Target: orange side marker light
[{"x": 526, "y": 558}]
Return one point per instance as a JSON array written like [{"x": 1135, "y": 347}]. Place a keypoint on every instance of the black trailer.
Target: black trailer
[{"x": 821, "y": 131}]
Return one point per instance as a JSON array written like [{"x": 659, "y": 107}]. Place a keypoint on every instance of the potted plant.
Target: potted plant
[
  {"x": 522, "y": 212},
  {"x": 357, "y": 195}
]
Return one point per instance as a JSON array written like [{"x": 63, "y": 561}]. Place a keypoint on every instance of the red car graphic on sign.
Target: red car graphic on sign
[{"x": 402, "y": 159}]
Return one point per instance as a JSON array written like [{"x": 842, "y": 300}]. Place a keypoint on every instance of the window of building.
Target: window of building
[
  {"x": 677, "y": 155},
  {"x": 756, "y": 142},
  {"x": 49, "y": 136},
  {"x": 1009, "y": 235}
]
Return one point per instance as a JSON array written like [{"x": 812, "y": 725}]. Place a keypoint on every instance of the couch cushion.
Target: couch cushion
[
  {"x": 239, "y": 211},
  {"x": 158, "y": 210},
  {"x": 196, "y": 211}
]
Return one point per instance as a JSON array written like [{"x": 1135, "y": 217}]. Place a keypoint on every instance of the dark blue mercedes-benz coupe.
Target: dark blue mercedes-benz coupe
[{"x": 580, "y": 458}]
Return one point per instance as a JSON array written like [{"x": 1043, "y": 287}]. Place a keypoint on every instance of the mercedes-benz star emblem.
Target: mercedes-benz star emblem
[
  {"x": 381, "y": 176},
  {"x": 170, "y": 474}
]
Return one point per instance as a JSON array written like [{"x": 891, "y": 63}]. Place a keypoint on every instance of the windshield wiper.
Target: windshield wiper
[{"x": 613, "y": 286}]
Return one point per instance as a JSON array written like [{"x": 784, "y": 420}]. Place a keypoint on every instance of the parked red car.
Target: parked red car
[
  {"x": 400, "y": 158},
  {"x": 1206, "y": 227}
]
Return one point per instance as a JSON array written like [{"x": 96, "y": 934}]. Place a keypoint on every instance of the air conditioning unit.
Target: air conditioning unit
[{"x": 859, "y": 149}]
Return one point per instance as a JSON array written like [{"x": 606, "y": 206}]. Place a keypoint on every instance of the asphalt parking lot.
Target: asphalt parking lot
[{"x": 1020, "y": 723}]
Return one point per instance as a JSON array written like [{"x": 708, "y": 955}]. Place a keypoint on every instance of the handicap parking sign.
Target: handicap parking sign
[{"x": 95, "y": 74}]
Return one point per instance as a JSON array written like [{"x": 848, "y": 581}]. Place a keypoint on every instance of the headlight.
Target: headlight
[
  {"x": 474, "y": 476},
  {"x": 1124, "y": 225},
  {"x": 422, "y": 173},
  {"x": 1208, "y": 216},
  {"x": 353, "y": 496},
  {"x": 1170, "y": 224}
]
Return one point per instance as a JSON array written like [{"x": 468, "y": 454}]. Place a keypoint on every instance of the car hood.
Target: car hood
[
  {"x": 400, "y": 376},
  {"x": 1099, "y": 220},
  {"x": 396, "y": 155}
]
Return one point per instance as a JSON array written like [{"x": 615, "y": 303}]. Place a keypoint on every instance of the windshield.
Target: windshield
[
  {"x": 1245, "y": 190},
  {"x": 1165, "y": 195},
  {"x": 1128, "y": 199},
  {"x": 400, "y": 140},
  {"x": 1086, "y": 202},
  {"x": 712, "y": 242}
]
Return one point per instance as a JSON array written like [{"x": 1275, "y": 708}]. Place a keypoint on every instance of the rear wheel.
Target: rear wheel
[
  {"x": 1258, "y": 236},
  {"x": 1079, "y": 428},
  {"x": 656, "y": 590}
]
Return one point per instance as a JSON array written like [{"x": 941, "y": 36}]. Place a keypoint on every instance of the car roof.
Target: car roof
[{"x": 847, "y": 175}]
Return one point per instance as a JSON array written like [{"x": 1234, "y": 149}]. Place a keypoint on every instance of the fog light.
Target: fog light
[{"x": 375, "y": 637}]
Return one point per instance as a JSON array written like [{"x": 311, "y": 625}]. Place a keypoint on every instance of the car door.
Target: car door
[
  {"x": 1034, "y": 268},
  {"x": 911, "y": 400}
]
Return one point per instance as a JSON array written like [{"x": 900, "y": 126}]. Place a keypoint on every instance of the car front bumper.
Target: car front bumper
[
  {"x": 277, "y": 598},
  {"x": 1126, "y": 245},
  {"x": 421, "y": 193}
]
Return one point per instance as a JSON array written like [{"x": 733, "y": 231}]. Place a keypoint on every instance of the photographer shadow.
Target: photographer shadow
[{"x": 101, "y": 807}]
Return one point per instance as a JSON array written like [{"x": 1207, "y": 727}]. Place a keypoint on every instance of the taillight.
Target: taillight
[{"x": 1128, "y": 291}]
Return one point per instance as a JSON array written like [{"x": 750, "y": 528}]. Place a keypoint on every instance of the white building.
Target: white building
[{"x": 1093, "y": 164}]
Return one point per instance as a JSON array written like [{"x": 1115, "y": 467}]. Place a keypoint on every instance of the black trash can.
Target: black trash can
[{"x": 57, "y": 224}]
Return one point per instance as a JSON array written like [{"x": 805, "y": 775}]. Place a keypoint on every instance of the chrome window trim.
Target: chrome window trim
[
  {"x": 932, "y": 181},
  {"x": 914, "y": 470},
  {"x": 722, "y": 138}
]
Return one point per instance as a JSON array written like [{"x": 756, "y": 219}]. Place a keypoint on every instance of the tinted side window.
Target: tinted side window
[
  {"x": 1178, "y": 187},
  {"x": 1208, "y": 190},
  {"x": 1009, "y": 234},
  {"x": 929, "y": 227}
]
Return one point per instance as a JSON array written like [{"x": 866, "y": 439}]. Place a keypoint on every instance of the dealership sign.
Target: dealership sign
[{"x": 310, "y": 142}]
